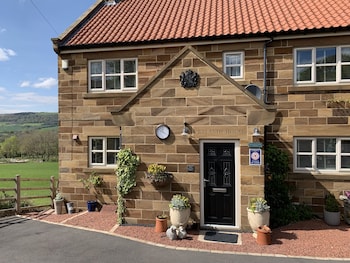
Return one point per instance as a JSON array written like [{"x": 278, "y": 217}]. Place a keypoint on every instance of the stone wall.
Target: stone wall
[{"x": 215, "y": 110}]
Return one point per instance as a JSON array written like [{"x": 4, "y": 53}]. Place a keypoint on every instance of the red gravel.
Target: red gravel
[{"x": 311, "y": 238}]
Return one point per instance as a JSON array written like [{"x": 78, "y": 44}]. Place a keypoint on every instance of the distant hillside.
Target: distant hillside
[{"x": 12, "y": 124}]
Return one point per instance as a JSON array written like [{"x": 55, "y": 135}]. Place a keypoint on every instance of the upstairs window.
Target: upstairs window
[
  {"x": 233, "y": 64},
  {"x": 322, "y": 155},
  {"x": 103, "y": 151},
  {"x": 113, "y": 75},
  {"x": 322, "y": 65}
]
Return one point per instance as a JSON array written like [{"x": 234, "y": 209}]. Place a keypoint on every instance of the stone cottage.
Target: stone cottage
[{"x": 201, "y": 87}]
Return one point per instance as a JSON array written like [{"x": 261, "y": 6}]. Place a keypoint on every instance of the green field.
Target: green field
[{"x": 42, "y": 170}]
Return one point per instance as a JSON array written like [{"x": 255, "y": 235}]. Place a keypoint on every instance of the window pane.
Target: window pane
[
  {"x": 345, "y": 72},
  {"x": 112, "y": 66},
  {"x": 112, "y": 144},
  {"x": 96, "y": 83},
  {"x": 129, "y": 66},
  {"x": 112, "y": 83},
  {"x": 304, "y": 146},
  {"x": 233, "y": 71},
  {"x": 345, "y": 146},
  {"x": 326, "y": 162},
  {"x": 304, "y": 57},
  {"x": 345, "y": 162},
  {"x": 233, "y": 59},
  {"x": 130, "y": 81},
  {"x": 97, "y": 157},
  {"x": 111, "y": 158},
  {"x": 325, "y": 74},
  {"x": 304, "y": 161},
  {"x": 325, "y": 55},
  {"x": 304, "y": 74},
  {"x": 96, "y": 67},
  {"x": 345, "y": 54},
  {"x": 97, "y": 144},
  {"x": 326, "y": 145}
]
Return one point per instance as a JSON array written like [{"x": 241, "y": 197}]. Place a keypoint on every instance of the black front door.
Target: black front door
[{"x": 219, "y": 183}]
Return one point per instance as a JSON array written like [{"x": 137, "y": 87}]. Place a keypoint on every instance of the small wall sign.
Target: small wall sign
[{"x": 254, "y": 156}]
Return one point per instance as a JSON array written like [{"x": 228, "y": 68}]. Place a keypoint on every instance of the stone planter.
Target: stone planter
[
  {"x": 257, "y": 219},
  {"x": 331, "y": 218},
  {"x": 179, "y": 217},
  {"x": 58, "y": 204}
]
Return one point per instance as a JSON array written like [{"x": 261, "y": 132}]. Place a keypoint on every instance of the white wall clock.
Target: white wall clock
[{"x": 162, "y": 131}]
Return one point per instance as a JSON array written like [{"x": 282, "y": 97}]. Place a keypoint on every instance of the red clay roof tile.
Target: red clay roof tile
[{"x": 158, "y": 20}]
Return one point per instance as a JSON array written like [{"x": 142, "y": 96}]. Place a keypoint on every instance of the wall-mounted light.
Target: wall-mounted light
[
  {"x": 186, "y": 130},
  {"x": 65, "y": 63},
  {"x": 256, "y": 132},
  {"x": 75, "y": 137}
]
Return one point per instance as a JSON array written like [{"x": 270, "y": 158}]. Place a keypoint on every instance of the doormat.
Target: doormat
[{"x": 221, "y": 237}]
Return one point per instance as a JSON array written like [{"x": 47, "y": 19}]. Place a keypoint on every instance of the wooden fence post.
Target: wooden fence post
[
  {"x": 18, "y": 194},
  {"x": 53, "y": 189}
]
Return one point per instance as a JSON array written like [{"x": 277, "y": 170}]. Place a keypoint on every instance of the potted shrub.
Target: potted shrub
[
  {"x": 157, "y": 175},
  {"x": 94, "y": 180},
  {"x": 180, "y": 210},
  {"x": 161, "y": 223},
  {"x": 331, "y": 210},
  {"x": 58, "y": 203},
  {"x": 258, "y": 213}
]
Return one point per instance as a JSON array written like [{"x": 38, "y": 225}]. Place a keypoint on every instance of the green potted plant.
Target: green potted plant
[
  {"x": 258, "y": 213},
  {"x": 331, "y": 210},
  {"x": 94, "y": 180},
  {"x": 180, "y": 210},
  {"x": 157, "y": 175},
  {"x": 58, "y": 203}
]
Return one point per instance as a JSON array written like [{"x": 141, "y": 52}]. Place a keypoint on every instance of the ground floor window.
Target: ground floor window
[
  {"x": 103, "y": 151},
  {"x": 321, "y": 154}
]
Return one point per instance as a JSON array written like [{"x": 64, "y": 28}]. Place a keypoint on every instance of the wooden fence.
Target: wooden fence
[{"x": 17, "y": 198}]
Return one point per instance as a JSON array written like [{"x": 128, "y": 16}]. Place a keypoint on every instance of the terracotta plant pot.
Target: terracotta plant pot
[
  {"x": 263, "y": 235},
  {"x": 161, "y": 225}
]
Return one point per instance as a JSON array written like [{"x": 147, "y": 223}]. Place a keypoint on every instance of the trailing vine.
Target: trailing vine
[{"x": 127, "y": 164}]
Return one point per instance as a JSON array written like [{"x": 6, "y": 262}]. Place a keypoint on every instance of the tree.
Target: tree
[{"x": 10, "y": 148}]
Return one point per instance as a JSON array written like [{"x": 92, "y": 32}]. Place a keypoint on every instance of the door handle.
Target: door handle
[{"x": 206, "y": 180}]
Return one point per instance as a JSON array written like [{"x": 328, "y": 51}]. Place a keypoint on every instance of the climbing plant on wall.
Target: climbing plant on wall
[
  {"x": 278, "y": 191},
  {"x": 127, "y": 164}
]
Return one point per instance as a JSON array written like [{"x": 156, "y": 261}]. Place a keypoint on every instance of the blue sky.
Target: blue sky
[{"x": 28, "y": 64}]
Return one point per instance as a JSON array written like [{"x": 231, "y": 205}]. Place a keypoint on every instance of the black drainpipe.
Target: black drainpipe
[{"x": 265, "y": 70}]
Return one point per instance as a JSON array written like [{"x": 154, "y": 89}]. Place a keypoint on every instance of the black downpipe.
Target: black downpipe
[{"x": 265, "y": 71}]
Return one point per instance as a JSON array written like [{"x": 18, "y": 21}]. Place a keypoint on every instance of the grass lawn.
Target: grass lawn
[{"x": 41, "y": 170}]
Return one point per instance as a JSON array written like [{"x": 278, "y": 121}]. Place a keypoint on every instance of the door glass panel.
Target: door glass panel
[
  {"x": 227, "y": 173},
  {"x": 212, "y": 173}
]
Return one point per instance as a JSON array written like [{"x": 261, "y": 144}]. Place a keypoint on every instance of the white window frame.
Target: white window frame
[
  {"x": 338, "y": 64},
  {"x": 104, "y": 151},
  {"x": 104, "y": 75},
  {"x": 338, "y": 154},
  {"x": 241, "y": 54}
]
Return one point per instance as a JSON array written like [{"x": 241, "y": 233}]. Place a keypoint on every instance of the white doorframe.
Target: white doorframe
[{"x": 237, "y": 186}]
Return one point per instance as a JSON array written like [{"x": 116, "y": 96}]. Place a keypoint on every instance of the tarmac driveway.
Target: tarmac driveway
[{"x": 29, "y": 241}]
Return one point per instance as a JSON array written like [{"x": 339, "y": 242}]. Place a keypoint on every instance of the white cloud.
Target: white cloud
[
  {"x": 5, "y": 54},
  {"x": 25, "y": 84},
  {"x": 42, "y": 83},
  {"x": 35, "y": 98},
  {"x": 2, "y": 89}
]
